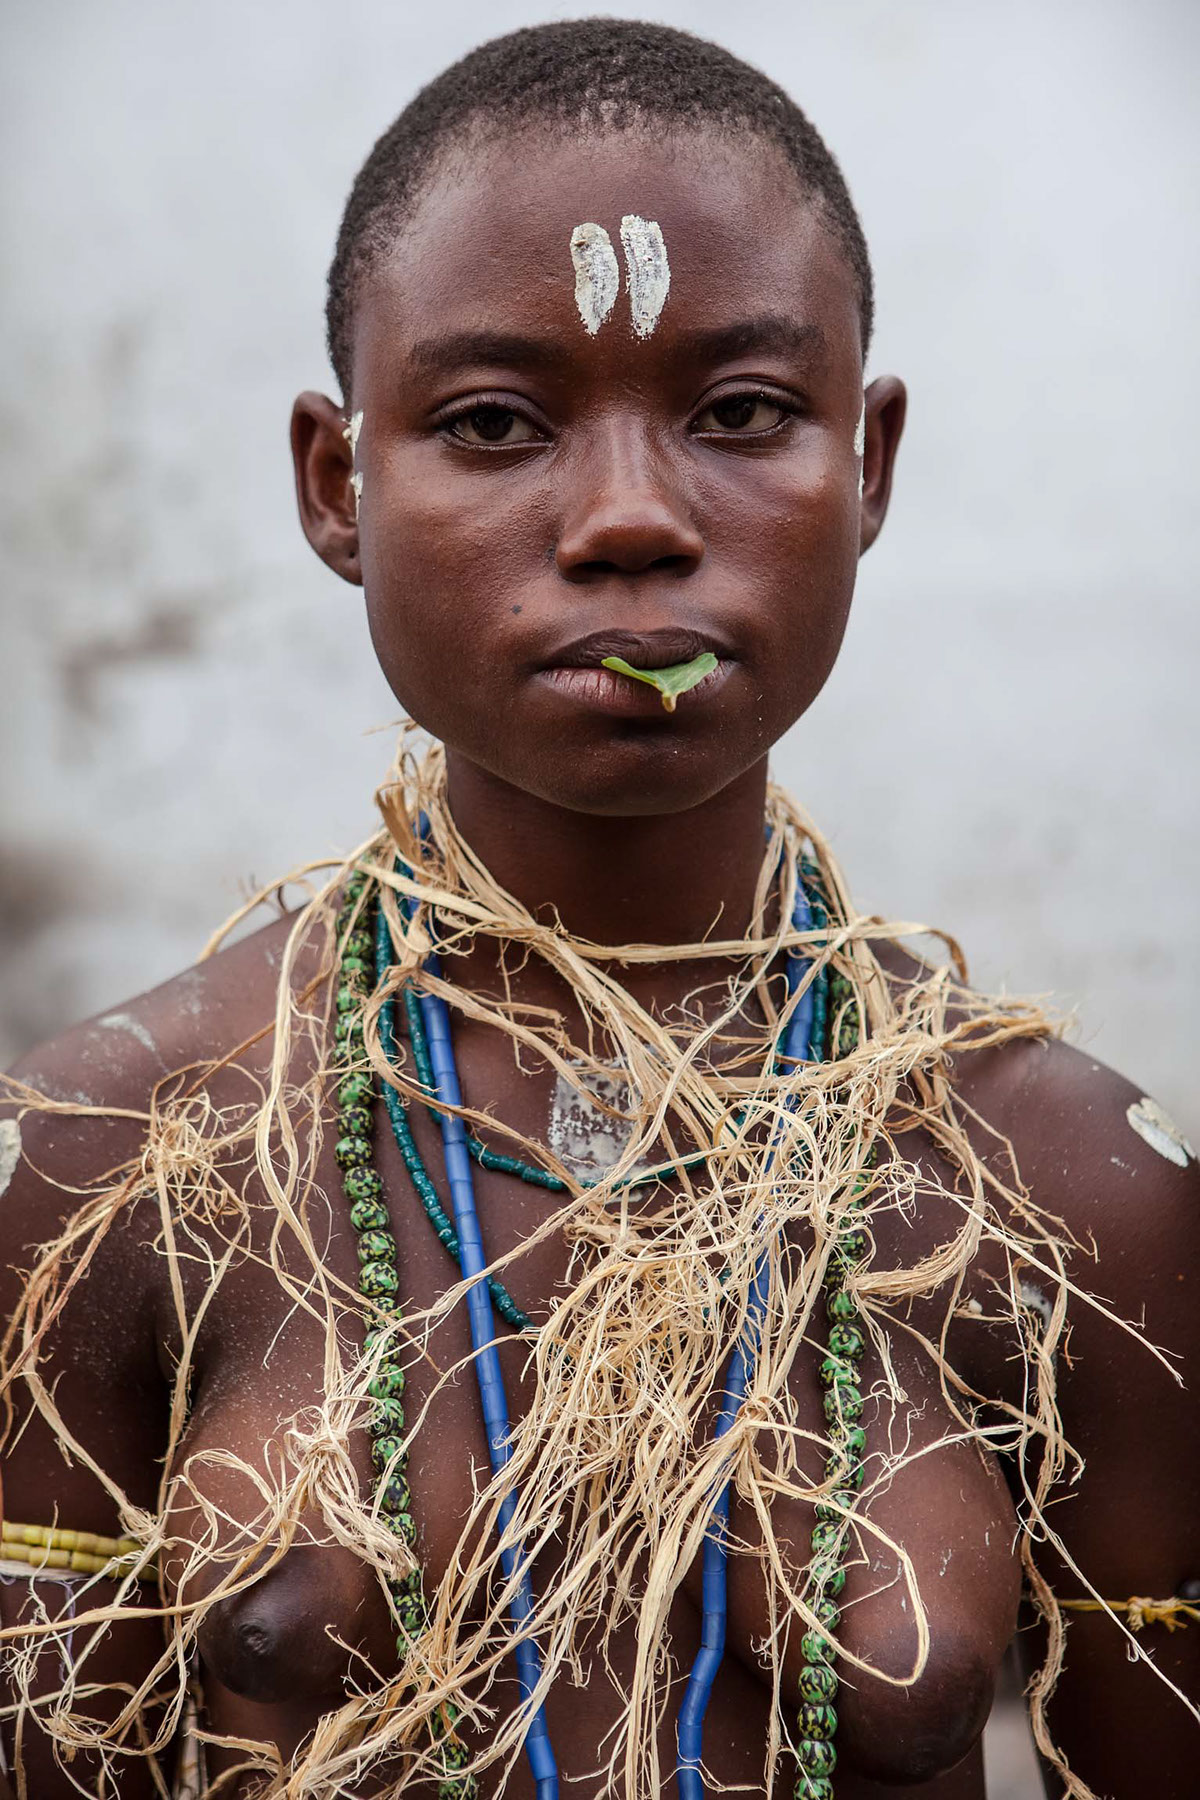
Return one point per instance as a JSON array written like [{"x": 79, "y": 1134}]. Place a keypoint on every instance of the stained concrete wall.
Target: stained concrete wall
[{"x": 1009, "y": 745}]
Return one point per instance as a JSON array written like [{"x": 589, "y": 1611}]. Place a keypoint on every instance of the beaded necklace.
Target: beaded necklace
[{"x": 429, "y": 1029}]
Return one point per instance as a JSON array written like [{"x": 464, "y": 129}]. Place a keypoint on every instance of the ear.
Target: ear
[
  {"x": 886, "y": 403},
  {"x": 323, "y": 463}
]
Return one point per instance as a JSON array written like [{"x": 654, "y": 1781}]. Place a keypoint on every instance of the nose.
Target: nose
[{"x": 627, "y": 516}]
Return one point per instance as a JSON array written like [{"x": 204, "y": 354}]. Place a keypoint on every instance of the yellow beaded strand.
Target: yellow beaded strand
[{"x": 84, "y": 1552}]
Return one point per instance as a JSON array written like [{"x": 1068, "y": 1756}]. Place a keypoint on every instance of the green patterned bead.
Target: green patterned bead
[
  {"x": 843, "y": 1402},
  {"x": 349, "y": 1033},
  {"x": 847, "y": 1341},
  {"x": 356, "y": 883},
  {"x": 394, "y": 1496},
  {"x": 358, "y": 943},
  {"x": 376, "y": 1246},
  {"x": 827, "y": 1537},
  {"x": 815, "y": 1647},
  {"x": 830, "y": 1577},
  {"x": 409, "y": 1586},
  {"x": 412, "y": 1619},
  {"x": 369, "y": 1215},
  {"x": 442, "y": 1722},
  {"x": 387, "y": 1418},
  {"x": 836, "y": 1373},
  {"x": 827, "y": 1612},
  {"x": 453, "y": 1790},
  {"x": 356, "y": 1090},
  {"x": 363, "y": 1184},
  {"x": 812, "y": 1787},
  {"x": 378, "y": 1280},
  {"x": 851, "y": 1247},
  {"x": 354, "y": 972},
  {"x": 455, "y": 1754},
  {"x": 349, "y": 1001},
  {"x": 356, "y": 1121},
  {"x": 839, "y": 1305},
  {"x": 379, "y": 1334},
  {"x": 817, "y": 1720},
  {"x": 817, "y": 1683},
  {"x": 837, "y": 1506},
  {"x": 389, "y": 1382},
  {"x": 816, "y": 1756},
  {"x": 403, "y": 1525},
  {"x": 352, "y": 1152},
  {"x": 385, "y": 1451}
]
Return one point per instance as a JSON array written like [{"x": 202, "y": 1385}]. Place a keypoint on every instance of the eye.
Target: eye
[
  {"x": 491, "y": 425},
  {"x": 745, "y": 415}
]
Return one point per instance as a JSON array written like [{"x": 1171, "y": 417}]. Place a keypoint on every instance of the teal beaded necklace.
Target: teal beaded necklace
[{"x": 379, "y": 1284}]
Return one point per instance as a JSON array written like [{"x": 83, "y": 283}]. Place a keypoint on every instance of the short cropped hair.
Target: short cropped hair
[{"x": 610, "y": 73}]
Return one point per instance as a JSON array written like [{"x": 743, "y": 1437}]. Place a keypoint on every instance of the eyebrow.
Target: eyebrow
[
  {"x": 770, "y": 333},
  {"x": 458, "y": 349}
]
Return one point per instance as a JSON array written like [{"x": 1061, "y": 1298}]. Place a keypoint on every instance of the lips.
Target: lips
[
  {"x": 574, "y": 670},
  {"x": 644, "y": 649}
]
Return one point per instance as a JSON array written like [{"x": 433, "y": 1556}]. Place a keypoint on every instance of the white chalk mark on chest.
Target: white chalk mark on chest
[
  {"x": 1159, "y": 1130},
  {"x": 10, "y": 1151}
]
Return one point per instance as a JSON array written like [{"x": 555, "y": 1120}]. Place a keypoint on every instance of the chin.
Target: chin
[{"x": 647, "y": 774}]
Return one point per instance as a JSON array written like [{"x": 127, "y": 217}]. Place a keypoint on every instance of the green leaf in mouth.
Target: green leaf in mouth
[{"x": 670, "y": 682}]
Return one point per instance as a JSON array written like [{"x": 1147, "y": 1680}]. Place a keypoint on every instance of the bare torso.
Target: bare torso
[{"x": 276, "y": 1658}]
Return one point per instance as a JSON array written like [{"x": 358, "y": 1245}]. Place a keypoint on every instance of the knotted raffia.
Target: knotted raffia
[{"x": 614, "y": 1460}]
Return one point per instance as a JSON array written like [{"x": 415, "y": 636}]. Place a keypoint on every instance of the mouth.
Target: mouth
[{"x": 575, "y": 669}]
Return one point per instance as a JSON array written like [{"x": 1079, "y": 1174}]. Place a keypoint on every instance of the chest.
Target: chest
[{"x": 931, "y": 1577}]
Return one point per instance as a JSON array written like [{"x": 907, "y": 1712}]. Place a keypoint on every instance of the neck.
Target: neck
[{"x": 676, "y": 878}]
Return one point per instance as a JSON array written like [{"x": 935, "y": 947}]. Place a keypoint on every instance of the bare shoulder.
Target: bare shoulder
[
  {"x": 101, "y": 1077},
  {"x": 1093, "y": 1148}
]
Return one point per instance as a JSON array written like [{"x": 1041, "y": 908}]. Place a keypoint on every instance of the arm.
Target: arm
[
  {"x": 1131, "y": 1524},
  {"x": 100, "y": 1366}
]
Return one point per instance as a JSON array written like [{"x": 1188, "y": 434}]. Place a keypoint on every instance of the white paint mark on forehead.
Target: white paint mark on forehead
[
  {"x": 1159, "y": 1130},
  {"x": 647, "y": 271},
  {"x": 351, "y": 436},
  {"x": 10, "y": 1151},
  {"x": 597, "y": 275}
]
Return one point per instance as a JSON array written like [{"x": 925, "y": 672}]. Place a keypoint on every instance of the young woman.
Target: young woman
[{"x": 789, "y": 1378}]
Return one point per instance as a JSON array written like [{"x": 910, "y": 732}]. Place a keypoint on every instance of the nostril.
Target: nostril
[{"x": 600, "y": 568}]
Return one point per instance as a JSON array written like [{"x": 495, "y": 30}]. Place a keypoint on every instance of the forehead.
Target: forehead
[{"x": 488, "y": 244}]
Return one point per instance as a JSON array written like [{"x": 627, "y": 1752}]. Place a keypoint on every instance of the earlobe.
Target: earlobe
[
  {"x": 323, "y": 456},
  {"x": 885, "y": 404}
]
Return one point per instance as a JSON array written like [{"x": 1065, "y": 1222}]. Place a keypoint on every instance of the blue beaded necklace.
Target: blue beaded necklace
[{"x": 430, "y": 1030}]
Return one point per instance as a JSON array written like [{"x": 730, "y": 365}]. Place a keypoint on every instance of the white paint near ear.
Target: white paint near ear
[
  {"x": 860, "y": 447},
  {"x": 1159, "y": 1130},
  {"x": 351, "y": 436},
  {"x": 597, "y": 275},
  {"x": 10, "y": 1151},
  {"x": 647, "y": 271}
]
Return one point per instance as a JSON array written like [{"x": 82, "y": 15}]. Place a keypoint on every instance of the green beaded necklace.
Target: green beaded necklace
[{"x": 379, "y": 1284}]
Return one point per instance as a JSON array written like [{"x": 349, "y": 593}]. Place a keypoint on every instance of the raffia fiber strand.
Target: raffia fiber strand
[{"x": 614, "y": 1460}]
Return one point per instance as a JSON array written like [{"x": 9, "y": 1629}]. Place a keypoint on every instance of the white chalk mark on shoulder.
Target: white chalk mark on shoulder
[
  {"x": 647, "y": 271},
  {"x": 123, "y": 1021},
  {"x": 597, "y": 275},
  {"x": 1159, "y": 1130},
  {"x": 10, "y": 1151}
]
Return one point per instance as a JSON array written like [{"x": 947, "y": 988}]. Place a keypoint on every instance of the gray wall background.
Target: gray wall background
[{"x": 1009, "y": 744}]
